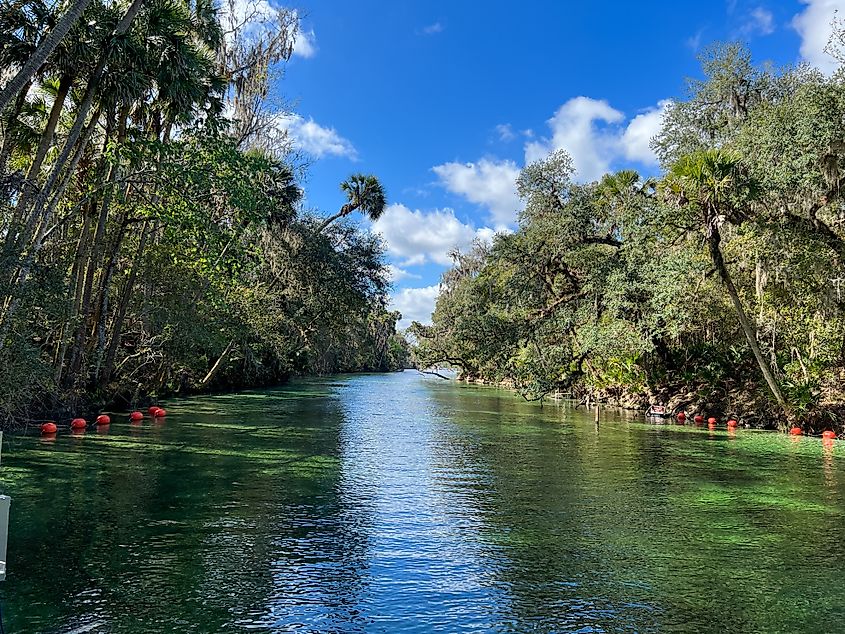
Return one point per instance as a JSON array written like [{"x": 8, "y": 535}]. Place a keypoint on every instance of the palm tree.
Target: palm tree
[
  {"x": 42, "y": 52},
  {"x": 714, "y": 184},
  {"x": 364, "y": 193}
]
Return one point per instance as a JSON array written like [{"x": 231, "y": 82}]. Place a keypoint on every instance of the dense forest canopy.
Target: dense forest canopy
[
  {"x": 152, "y": 237},
  {"x": 718, "y": 286}
]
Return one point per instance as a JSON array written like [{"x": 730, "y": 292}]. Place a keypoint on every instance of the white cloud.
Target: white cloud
[
  {"x": 305, "y": 44},
  {"x": 489, "y": 183},
  {"x": 760, "y": 21},
  {"x": 312, "y": 138},
  {"x": 433, "y": 29},
  {"x": 593, "y": 133},
  {"x": 415, "y": 304},
  {"x": 574, "y": 129},
  {"x": 419, "y": 236},
  {"x": 505, "y": 132},
  {"x": 397, "y": 274},
  {"x": 814, "y": 26},
  {"x": 640, "y": 131}
]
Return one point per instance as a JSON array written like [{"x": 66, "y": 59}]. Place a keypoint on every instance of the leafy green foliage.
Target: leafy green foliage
[{"x": 688, "y": 289}]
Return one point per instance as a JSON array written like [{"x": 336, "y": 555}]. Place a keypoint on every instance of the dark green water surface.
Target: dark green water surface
[{"x": 403, "y": 503}]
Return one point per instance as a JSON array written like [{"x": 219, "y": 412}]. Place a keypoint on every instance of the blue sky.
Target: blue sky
[{"x": 446, "y": 101}]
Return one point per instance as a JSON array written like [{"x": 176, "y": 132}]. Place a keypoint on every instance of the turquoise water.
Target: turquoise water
[{"x": 403, "y": 503}]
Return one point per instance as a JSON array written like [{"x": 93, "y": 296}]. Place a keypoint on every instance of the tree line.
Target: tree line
[
  {"x": 152, "y": 233},
  {"x": 718, "y": 285}
]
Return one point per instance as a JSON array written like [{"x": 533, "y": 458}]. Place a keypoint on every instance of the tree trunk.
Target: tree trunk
[
  {"x": 45, "y": 48},
  {"x": 344, "y": 211},
  {"x": 46, "y": 141},
  {"x": 80, "y": 344},
  {"x": 123, "y": 305},
  {"x": 218, "y": 364},
  {"x": 714, "y": 244},
  {"x": 6, "y": 149},
  {"x": 78, "y": 124},
  {"x": 23, "y": 274}
]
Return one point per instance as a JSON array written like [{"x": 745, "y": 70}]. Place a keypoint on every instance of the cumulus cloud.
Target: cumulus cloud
[
  {"x": 488, "y": 183},
  {"x": 592, "y": 132},
  {"x": 418, "y": 236},
  {"x": 312, "y": 138},
  {"x": 415, "y": 304},
  {"x": 398, "y": 274},
  {"x": 640, "y": 131},
  {"x": 577, "y": 128},
  {"x": 814, "y": 26},
  {"x": 595, "y": 136}
]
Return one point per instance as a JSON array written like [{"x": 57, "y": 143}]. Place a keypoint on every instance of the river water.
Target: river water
[{"x": 404, "y": 503}]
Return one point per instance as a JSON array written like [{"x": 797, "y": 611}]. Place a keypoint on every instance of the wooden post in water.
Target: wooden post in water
[{"x": 597, "y": 414}]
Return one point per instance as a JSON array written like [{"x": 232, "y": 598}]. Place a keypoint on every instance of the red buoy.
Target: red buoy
[
  {"x": 699, "y": 419},
  {"x": 682, "y": 417},
  {"x": 152, "y": 409},
  {"x": 795, "y": 431},
  {"x": 732, "y": 423},
  {"x": 102, "y": 419},
  {"x": 49, "y": 428},
  {"x": 711, "y": 420},
  {"x": 828, "y": 434},
  {"x": 136, "y": 416},
  {"x": 78, "y": 423},
  {"x": 160, "y": 413}
]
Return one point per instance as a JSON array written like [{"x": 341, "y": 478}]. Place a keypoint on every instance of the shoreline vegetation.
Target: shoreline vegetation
[
  {"x": 153, "y": 235},
  {"x": 717, "y": 287}
]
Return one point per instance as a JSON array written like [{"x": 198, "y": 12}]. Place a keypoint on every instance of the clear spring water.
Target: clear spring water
[{"x": 404, "y": 503}]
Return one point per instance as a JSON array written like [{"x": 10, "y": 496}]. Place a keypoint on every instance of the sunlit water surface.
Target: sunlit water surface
[{"x": 403, "y": 503}]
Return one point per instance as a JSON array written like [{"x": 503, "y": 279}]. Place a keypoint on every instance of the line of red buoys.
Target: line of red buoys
[{"x": 49, "y": 428}]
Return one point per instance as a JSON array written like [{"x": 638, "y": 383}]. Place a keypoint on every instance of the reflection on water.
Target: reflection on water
[{"x": 402, "y": 503}]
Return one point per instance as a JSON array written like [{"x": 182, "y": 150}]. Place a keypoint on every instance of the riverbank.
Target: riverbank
[
  {"x": 745, "y": 402},
  {"x": 62, "y": 409}
]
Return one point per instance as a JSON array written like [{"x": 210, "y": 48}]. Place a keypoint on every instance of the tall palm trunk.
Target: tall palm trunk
[
  {"x": 46, "y": 141},
  {"x": 22, "y": 276},
  {"x": 77, "y": 358},
  {"x": 123, "y": 305},
  {"x": 42, "y": 52},
  {"x": 714, "y": 240},
  {"x": 35, "y": 167},
  {"x": 6, "y": 149},
  {"x": 344, "y": 211},
  {"x": 79, "y": 123}
]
